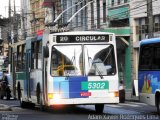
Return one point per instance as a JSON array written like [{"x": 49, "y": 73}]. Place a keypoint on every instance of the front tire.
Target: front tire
[
  {"x": 19, "y": 94},
  {"x": 158, "y": 103},
  {"x": 22, "y": 103},
  {"x": 38, "y": 93},
  {"x": 99, "y": 108},
  {"x": 39, "y": 98}
]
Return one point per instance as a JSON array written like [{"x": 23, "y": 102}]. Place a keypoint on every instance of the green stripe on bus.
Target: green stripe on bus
[
  {"x": 21, "y": 76},
  {"x": 95, "y": 85}
]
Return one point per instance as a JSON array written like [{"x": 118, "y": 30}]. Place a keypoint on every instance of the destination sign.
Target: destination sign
[{"x": 82, "y": 38}]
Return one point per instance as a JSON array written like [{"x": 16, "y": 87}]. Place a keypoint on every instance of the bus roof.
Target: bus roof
[
  {"x": 83, "y": 33},
  {"x": 149, "y": 41}
]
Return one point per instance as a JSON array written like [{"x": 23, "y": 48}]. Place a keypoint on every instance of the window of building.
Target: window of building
[
  {"x": 137, "y": 29},
  {"x": 144, "y": 29},
  {"x": 118, "y": 2},
  {"x": 98, "y": 13},
  {"x": 142, "y": 24},
  {"x": 92, "y": 15},
  {"x": 156, "y": 27},
  {"x": 82, "y": 16},
  {"x": 104, "y": 11},
  {"x": 112, "y": 3},
  {"x": 85, "y": 17},
  {"x": 125, "y": 1},
  {"x": 65, "y": 14},
  {"x": 76, "y": 9}
]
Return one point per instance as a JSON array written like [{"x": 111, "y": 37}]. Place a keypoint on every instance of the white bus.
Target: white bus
[{"x": 69, "y": 68}]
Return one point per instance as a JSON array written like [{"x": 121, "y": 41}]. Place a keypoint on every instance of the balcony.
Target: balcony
[
  {"x": 119, "y": 31},
  {"x": 118, "y": 13}
]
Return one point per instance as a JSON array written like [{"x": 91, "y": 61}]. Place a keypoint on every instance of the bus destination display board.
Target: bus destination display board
[{"x": 82, "y": 38}]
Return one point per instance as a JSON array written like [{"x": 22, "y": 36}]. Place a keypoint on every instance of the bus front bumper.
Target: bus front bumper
[{"x": 79, "y": 101}]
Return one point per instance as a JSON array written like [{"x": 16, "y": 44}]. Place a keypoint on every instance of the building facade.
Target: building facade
[
  {"x": 26, "y": 14},
  {"x": 140, "y": 26},
  {"x": 119, "y": 23},
  {"x": 37, "y": 16}
]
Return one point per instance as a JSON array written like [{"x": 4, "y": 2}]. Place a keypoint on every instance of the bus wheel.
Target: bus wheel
[
  {"x": 39, "y": 98},
  {"x": 22, "y": 103},
  {"x": 99, "y": 108},
  {"x": 19, "y": 91},
  {"x": 38, "y": 93},
  {"x": 158, "y": 103}
]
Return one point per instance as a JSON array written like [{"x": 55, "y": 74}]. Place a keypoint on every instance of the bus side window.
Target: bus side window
[
  {"x": 145, "y": 58},
  {"x": 23, "y": 56},
  {"x": 33, "y": 55},
  {"x": 156, "y": 59},
  {"x": 55, "y": 62},
  {"x": 19, "y": 58},
  {"x": 39, "y": 54}
]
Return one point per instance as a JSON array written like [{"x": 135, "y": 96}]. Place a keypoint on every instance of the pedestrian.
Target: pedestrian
[
  {"x": 4, "y": 78},
  {"x": 4, "y": 87}
]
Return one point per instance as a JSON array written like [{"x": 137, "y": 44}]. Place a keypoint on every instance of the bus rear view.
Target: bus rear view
[{"x": 83, "y": 69}]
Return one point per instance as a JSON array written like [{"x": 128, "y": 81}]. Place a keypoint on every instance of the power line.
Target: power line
[
  {"x": 120, "y": 13},
  {"x": 112, "y": 16}
]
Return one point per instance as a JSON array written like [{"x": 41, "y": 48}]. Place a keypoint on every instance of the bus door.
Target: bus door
[{"x": 28, "y": 69}]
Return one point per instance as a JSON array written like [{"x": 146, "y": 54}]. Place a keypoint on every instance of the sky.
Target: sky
[{"x": 4, "y": 6}]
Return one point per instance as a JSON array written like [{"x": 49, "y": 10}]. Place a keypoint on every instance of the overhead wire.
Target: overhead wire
[
  {"x": 120, "y": 13},
  {"x": 127, "y": 13}
]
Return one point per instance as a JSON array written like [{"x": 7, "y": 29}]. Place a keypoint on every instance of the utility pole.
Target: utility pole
[
  {"x": 15, "y": 25},
  {"x": 23, "y": 26},
  {"x": 150, "y": 19}
]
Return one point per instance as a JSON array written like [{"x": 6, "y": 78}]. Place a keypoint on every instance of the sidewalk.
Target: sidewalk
[
  {"x": 131, "y": 98},
  {"x": 5, "y": 107}
]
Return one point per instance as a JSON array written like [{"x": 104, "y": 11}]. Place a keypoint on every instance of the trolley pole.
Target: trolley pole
[{"x": 150, "y": 19}]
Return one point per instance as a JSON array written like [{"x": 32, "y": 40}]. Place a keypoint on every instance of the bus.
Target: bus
[
  {"x": 149, "y": 72},
  {"x": 68, "y": 68},
  {"x": 17, "y": 61}
]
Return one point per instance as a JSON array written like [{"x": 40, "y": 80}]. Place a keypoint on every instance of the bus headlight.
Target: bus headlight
[
  {"x": 53, "y": 96},
  {"x": 50, "y": 95},
  {"x": 114, "y": 94},
  {"x": 56, "y": 96}
]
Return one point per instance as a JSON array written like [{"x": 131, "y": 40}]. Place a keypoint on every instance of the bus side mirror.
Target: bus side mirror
[{"x": 46, "y": 52}]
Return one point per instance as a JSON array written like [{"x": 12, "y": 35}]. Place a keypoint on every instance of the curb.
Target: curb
[{"x": 5, "y": 107}]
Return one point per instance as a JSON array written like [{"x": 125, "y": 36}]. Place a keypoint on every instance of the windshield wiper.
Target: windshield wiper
[
  {"x": 99, "y": 72},
  {"x": 107, "y": 54},
  {"x": 97, "y": 69},
  {"x": 73, "y": 57}
]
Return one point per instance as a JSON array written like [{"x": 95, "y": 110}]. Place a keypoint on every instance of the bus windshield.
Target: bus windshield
[
  {"x": 99, "y": 60},
  {"x": 66, "y": 60}
]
